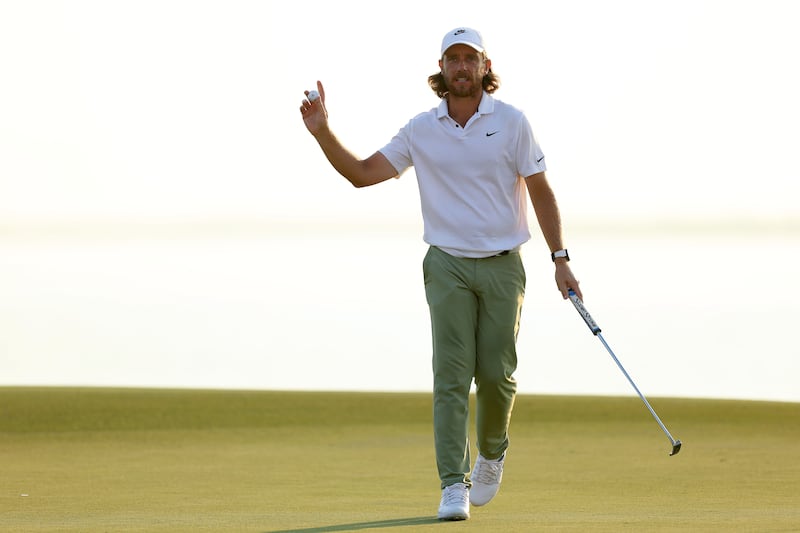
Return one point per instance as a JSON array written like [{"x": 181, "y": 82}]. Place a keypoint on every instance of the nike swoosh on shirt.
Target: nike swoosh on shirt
[
  {"x": 489, "y": 134},
  {"x": 540, "y": 159}
]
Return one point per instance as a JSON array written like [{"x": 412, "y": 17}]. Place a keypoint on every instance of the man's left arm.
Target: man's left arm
[{"x": 549, "y": 218}]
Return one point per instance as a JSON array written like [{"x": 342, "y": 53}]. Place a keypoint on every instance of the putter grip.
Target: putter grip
[{"x": 584, "y": 313}]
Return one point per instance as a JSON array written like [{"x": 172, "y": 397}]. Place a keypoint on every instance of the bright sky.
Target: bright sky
[
  {"x": 174, "y": 108},
  {"x": 159, "y": 114}
]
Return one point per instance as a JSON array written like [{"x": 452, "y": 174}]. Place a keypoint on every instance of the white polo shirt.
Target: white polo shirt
[{"x": 473, "y": 195}]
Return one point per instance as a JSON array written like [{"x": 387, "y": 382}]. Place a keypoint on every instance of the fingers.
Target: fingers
[
  {"x": 308, "y": 101},
  {"x": 307, "y": 105},
  {"x": 565, "y": 281},
  {"x": 577, "y": 291},
  {"x": 321, "y": 91},
  {"x": 565, "y": 287},
  {"x": 314, "y": 101}
]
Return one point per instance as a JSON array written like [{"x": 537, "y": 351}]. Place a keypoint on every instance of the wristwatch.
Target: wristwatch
[{"x": 559, "y": 253}]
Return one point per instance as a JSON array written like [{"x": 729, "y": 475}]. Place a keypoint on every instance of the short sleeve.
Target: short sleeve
[{"x": 530, "y": 158}]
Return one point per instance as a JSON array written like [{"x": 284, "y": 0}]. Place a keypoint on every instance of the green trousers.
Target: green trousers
[{"x": 475, "y": 307}]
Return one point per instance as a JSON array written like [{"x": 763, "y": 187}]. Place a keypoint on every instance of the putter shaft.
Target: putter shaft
[
  {"x": 595, "y": 329},
  {"x": 676, "y": 444}
]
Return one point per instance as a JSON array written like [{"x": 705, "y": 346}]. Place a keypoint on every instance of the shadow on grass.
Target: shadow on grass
[{"x": 397, "y": 522}]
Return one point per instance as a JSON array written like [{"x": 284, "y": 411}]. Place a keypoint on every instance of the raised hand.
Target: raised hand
[{"x": 315, "y": 116}]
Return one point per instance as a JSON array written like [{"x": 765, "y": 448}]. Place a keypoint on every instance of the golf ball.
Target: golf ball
[{"x": 312, "y": 95}]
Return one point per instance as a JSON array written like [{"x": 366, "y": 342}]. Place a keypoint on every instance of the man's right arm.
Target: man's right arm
[{"x": 360, "y": 172}]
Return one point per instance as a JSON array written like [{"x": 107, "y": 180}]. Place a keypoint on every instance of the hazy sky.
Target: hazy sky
[
  {"x": 147, "y": 116},
  {"x": 185, "y": 109}
]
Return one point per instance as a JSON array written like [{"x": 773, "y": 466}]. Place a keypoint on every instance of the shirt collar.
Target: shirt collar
[{"x": 485, "y": 106}]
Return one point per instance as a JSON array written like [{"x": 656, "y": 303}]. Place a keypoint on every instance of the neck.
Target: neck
[{"x": 461, "y": 108}]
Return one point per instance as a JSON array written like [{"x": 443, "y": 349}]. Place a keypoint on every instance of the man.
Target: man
[{"x": 474, "y": 157}]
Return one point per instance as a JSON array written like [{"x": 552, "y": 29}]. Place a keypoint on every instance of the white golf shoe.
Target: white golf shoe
[
  {"x": 486, "y": 478},
  {"x": 455, "y": 503}
]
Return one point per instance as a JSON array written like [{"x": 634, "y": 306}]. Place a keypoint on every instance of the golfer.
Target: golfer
[{"x": 474, "y": 157}]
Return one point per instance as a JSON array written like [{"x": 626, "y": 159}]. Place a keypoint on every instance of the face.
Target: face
[{"x": 463, "y": 68}]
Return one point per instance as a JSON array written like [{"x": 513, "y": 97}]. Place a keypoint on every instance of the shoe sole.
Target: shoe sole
[
  {"x": 454, "y": 518},
  {"x": 479, "y": 503}
]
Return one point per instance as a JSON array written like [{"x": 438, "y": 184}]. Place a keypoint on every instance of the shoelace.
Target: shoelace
[
  {"x": 488, "y": 472},
  {"x": 454, "y": 494}
]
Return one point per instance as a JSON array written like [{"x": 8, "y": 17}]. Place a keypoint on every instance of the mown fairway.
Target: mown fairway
[{"x": 179, "y": 460}]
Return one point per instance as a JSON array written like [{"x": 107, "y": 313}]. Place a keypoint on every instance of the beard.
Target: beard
[{"x": 464, "y": 90}]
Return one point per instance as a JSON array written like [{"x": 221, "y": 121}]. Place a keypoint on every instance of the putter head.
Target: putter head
[{"x": 676, "y": 448}]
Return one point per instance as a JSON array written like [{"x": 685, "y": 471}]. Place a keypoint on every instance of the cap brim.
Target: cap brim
[{"x": 471, "y": 45}]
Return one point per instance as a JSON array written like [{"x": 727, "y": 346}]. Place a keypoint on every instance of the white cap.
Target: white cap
[{"x": 466, "y": 36}]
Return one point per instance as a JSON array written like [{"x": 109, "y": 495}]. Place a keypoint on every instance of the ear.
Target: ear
[
  {"x": 488, "y": 65},
  {"x": 441, "y": 66}
]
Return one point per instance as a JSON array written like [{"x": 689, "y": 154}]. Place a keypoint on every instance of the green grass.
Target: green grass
[{"x": 83, "y": 459}]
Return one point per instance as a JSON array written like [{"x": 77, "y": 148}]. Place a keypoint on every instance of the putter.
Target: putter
[{"x": 676, "y": 444}]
